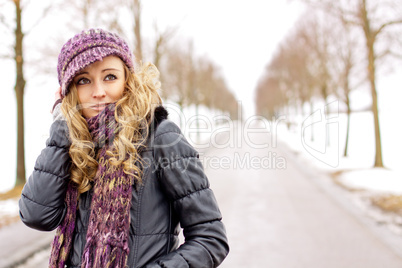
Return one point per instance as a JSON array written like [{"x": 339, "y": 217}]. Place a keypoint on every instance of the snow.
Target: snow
[
  {"x": 355, "y": 171},
  {"x": 8, "y": 209},
  {"x": 376, "y": 179}
]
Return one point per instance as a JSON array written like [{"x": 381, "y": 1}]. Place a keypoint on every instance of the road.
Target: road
[
  {"x": 280, "y": 212},
  {"x": 17, "y": 242},
  {"x": 289, "y": 215}
]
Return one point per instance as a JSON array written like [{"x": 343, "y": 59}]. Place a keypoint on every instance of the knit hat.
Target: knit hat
[{"x": 88, "y": 47}]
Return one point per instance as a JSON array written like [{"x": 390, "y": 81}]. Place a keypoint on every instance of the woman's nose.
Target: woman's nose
[{"x": 99, "y": 91}]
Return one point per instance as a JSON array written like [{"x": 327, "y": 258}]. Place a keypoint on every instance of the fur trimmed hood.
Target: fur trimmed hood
[{"x": 160, "y": 114}]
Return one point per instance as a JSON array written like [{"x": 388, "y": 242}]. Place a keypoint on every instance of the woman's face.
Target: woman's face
[{"x": 100, "y": 84}]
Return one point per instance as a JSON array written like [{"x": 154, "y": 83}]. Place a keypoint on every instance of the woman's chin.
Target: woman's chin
[{"x": 88, "y": 113}]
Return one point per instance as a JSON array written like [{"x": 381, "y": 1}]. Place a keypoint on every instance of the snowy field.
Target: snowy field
[
  {"x": 356, "y": 169},
  {"x": 357, "y": 166}
]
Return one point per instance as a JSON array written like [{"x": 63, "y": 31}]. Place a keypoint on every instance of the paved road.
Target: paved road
[
  {"x": 279, "y": 212},
  {"x": 18, "y": 242},
  {"x": 291, "y": 216}
]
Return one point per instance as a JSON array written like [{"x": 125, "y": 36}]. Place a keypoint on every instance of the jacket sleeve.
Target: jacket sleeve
[
  {"x": 187, "y": 188},
  {"x": 42, "y": 200}
]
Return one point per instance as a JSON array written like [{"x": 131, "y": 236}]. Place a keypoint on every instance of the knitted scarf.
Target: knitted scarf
[{"x": 109, "y": 221}]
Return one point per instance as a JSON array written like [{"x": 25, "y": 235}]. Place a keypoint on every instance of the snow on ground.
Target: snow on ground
[
  {"x": 356, "y": 170},
  {"x": 375, "y": 179},
  {"x": 8, "y": 207},
  {"x": 8, "y": 211}
]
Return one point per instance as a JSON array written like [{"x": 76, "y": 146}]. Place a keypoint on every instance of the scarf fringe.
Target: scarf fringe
[
  {"x": 107, "y": 256},
  {"x": 61, "y": 244}
]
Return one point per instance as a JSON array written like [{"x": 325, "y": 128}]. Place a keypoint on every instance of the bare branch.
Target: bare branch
[
  {"x": 396, "y": 54},
  {"x": 6, "y": 57},
  {"x": 3, "y": 21},
  {"x": 136, "y": 9},
  {"x": 359, "y": 83},
  {"x": 25, "y": 4},
  {"x": 383, "y": 26},
  {"x": 333, "y": 9},
  {"x": 114, "y": 25},
  {"x": 384, "y": 53},
  {"x": 45, "y": 12}
]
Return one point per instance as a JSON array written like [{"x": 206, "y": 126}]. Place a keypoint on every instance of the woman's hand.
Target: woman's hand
[
  {"x": 57, "y": 95},
  {"x": 57, "y": 98}
]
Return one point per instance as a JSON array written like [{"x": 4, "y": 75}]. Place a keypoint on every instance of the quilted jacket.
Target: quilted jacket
[{"x": 175, "y": 193}]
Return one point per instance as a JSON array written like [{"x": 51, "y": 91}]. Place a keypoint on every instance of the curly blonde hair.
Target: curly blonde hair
[{"x": 134, "y": 111}]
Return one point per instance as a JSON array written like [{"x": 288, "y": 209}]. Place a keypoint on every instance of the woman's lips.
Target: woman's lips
[{"x": 99, "y": 107}]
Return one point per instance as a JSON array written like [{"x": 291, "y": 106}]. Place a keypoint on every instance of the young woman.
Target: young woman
[{"x": 117, "y": 178}]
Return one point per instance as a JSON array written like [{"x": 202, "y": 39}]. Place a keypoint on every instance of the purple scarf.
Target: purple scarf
[{"x": 109, "y": 221}]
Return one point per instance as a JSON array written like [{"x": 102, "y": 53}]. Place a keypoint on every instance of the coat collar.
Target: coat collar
[{"x": 160, "y": 114}]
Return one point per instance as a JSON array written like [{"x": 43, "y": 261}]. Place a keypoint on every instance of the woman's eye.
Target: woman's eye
[
  {"x": 110, "y": 77},
  {"x": 83, "y": 81}
]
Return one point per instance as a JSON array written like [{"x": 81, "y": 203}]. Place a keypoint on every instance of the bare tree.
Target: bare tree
[
  {"x": 19, "y": 93},
  {"x": 213, "y": 91},
  {"x": 177, "y": 85},
  {"x": 136, "y": 7},
  {"x": 296, "y": 70},
  {"x": 373, "y": 18},
  {"x": 189, "y": 80},
  {"x": 161, "y": 42},
  {"x": 20, "y": 82},
  {"x": 269, "y": 97},
  {"x": 347, "y": 68}
]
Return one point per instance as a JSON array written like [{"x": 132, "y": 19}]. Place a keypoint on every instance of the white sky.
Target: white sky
[{"x": 239, "y": 36}]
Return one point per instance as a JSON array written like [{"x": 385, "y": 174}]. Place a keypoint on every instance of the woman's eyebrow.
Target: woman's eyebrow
[
  {"x": 80, "y": 73},
  {"x": 111, "y": 69}
]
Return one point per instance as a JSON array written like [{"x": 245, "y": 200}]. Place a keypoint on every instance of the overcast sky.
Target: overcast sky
[{"x": 239, "y": 36}]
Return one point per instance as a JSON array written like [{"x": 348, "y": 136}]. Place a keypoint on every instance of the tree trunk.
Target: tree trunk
[
  {"x": 197, "y": 123},
  {"x": 371, "y": 68},
  {"x": 312, "y": 125},
  {"x": 324, "y": 93},
  {"x": 19, "y": 92},
  {"x": 157, "y": 55},
  {"x": 137, "y": 29},
  {"x": 345, "y": 152},
  {"x": 370, "y": 40}
]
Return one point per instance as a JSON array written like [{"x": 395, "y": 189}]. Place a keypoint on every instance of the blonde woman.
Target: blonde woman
[{"x": 117, "y": 178}]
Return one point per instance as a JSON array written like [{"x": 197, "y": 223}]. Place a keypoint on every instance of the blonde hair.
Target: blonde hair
[{"x": 134, "y": 112}]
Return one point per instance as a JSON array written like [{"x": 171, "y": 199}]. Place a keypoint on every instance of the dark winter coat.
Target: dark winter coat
[{"x": 174, "y": 191}]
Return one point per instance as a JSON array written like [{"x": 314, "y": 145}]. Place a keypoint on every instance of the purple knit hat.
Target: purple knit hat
[{"x": 86, "y": 48}]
